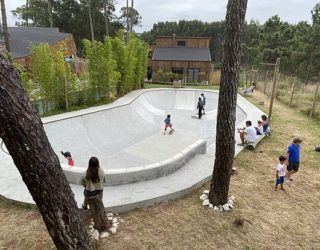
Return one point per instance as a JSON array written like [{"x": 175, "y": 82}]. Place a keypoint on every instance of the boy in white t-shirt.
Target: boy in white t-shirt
[
  {"x": 248, "y": 134},
  {"x": 280, "y": 172}
]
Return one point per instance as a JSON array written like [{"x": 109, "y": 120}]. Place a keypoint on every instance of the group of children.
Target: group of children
[
  {"x": 289, "y": 164},
  {"x": 249, "y": 133},
  {"x": 291, "y": 161},
  {"x": 201, "y": 111}
]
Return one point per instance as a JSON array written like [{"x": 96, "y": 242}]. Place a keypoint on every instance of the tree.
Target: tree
[
  {"x": 225, "y": 143},
  {"x": 4, "y": 24},
  {"x": 22, "y": 132}
]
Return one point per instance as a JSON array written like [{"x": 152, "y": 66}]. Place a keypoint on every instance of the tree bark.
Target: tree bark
[
  {"x": 106, "y": 18},
  {"x": 22, "y": 132},
  {"x": 5, "y": 25},
  {"x": 90, "y": 20},
  {"x": 127, "y": 20},
  {"x": 50, "y": 13},
  {"x": 225, "y": 142}
]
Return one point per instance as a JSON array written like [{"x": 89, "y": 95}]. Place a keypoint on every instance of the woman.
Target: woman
[{"x": 92, "y": 181}]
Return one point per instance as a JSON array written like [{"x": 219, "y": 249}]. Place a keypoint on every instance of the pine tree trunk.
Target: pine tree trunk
[
  {"x": 225, "y": 142},
  {"x": 22, "y": 132},
  {"x": 90, "y": 21},
  {"x": 5, "y": 25},
  {"x": 106, "y": 18},
  {"x": 50, "y": 13}
]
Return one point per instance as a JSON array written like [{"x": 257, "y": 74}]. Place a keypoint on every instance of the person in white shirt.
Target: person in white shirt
[
  {"x": 248, "y": 134},
  {"x": 280, "y": 173}
]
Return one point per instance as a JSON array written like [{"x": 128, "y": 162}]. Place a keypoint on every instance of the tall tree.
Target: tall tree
[
  {"x": 50, "y": 9},
  {"x": 225, "y": 143},
  {"x": 90, "y": 20},
  {"x": 5, "y": 25},
  {"x": 22, "y": 132}
]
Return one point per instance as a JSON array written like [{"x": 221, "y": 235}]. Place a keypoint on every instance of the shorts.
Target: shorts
[
  {"x": 293, "y": 166},
  {"x": 280, "y": 180},
  {"x": 168, "y": 125},
  {"x": 88, "y": 193}
]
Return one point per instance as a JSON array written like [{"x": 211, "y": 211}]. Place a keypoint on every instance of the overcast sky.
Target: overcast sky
[{"x": 153, "y": 11}]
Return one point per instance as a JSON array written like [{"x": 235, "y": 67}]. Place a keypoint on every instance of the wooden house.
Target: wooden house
[
  {"x": 189, "y": 57},
  {"x": 23, "y": 38}
]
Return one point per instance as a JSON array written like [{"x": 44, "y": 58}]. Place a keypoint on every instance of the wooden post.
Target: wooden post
[
  {"x": 265, "y": 82},
  {"x": 314, "y": 100},
  {"x": 275, "y": 78},
  {"x": 66, "y": 95},
  {"x": 292, "y": 92},
  {"x": 277, "y": 85}
]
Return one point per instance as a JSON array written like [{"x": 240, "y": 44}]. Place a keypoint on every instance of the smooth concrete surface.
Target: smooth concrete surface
[{"x": 122, "y": 127}]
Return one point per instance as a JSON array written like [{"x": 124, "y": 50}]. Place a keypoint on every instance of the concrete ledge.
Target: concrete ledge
[
  {"x": 252, "y": 146},
  {"x": 155, "y": 170}
]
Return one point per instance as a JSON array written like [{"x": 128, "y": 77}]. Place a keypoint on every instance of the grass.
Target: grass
[{"x": 273, "y": 220}]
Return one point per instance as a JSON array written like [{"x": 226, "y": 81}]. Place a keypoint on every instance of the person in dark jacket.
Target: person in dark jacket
[{"x": 200, "y": 107}]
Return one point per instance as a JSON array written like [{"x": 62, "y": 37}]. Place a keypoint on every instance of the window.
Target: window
[
  {"x": 193, "y": 75},
  {"x": 181, "y": 43}
]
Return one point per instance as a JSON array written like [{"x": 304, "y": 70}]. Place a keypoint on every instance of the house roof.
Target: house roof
[
  {"x": 22, "y": 38},
  {"x": 182, "y": 54}
]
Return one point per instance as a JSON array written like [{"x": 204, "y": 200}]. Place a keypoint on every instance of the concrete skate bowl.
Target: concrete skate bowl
[{"x": 128, "y": 136}]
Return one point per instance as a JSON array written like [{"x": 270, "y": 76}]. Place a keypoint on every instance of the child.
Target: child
[
  {"x": 259, "y": 128},
  {"x": 92, "y": 181},
  {"x": 68, "y": 156},
  {"x": 293, "y": 157},
  {"x": 204, "y": 103},
  {"x": 200, "y": 107},
  {"x": 167, "y": 122},
  {"x": 280, "y": 173}
]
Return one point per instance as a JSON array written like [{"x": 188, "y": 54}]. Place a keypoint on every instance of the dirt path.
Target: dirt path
[{"x": 273, "y": 220}]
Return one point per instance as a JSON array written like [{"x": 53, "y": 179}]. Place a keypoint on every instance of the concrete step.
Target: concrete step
[{"x": 142, "y": 194}]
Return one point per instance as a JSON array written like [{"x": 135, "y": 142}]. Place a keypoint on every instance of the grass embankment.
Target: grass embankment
[{"x": 273, "y": 220}]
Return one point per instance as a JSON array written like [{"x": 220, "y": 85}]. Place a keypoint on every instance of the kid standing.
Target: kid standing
[
  {"x": 293, "y": 157},
  {"x": 280, "y": 172},
  {"x": 167, "y": 123}
]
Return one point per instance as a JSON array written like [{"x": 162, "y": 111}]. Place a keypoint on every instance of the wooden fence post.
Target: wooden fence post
[
  {"x": 265, "y": 82},
  {"x": 292, "y": 92},
  {"x": 275, "y": 78},
  {"x": 314, "y": 100}
]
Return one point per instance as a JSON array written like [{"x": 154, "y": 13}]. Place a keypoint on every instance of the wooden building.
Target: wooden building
[
  {"x": 23, "y": 38},
  {"x": 189, "y": 57}
]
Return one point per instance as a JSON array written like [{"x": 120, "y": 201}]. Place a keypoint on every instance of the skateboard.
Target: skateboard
[{"x": 195, "y": 116}]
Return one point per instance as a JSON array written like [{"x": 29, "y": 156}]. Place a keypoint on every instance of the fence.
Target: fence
[{"x": 289, "y": 90}]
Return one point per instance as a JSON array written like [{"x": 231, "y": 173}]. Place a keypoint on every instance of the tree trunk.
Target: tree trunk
[
  {"x": 22, "y": 132},
  {"x": 225, "y": 142},
  {"x": 5, "y": 25},
  {"x": 131, "y": 17},
  {"x": 90, "y": 21},
  {"x": 106, "y": 18},
  {"x": 127, "y": 20},
  {"x": 27, "y": 9},
  {"x": 50, "y": 13}
]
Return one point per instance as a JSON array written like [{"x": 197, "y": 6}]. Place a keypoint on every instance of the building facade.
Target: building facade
[{"x": 187, "y": 57}]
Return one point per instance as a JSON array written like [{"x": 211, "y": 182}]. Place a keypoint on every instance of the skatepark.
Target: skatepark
[{"x": 142, "y": 165}]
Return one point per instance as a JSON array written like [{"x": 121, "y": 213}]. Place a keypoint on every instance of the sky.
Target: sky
[{"x": 153, "y": 11}]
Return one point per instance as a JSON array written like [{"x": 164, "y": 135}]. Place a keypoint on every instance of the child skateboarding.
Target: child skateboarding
[{"x": 168, "y": 123}]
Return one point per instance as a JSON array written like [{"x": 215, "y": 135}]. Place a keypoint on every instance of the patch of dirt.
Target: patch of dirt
[{"x": 272, "y": 220}]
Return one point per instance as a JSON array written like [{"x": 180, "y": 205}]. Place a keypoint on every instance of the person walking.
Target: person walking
[
  {"x": 204, "y": 99},
  {"x": 200, "y": 107}
]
